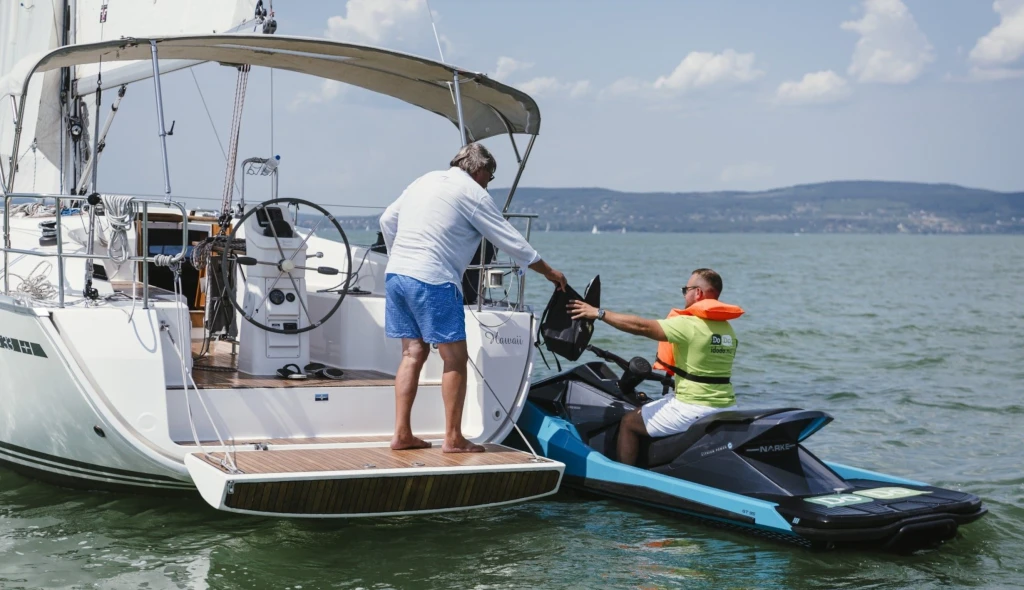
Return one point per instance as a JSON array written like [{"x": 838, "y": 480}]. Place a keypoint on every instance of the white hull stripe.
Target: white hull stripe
[{"x": 49, "y": 462}]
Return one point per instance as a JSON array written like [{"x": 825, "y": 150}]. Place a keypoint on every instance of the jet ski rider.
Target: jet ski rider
[{"x": 699, "y": 340}]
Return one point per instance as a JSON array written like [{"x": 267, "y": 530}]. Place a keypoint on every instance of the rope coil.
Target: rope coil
[{"x": 120, "y": 213}]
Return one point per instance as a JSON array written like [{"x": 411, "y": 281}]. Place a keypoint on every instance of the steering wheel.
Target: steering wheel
[{"x": 286, "y": 265}]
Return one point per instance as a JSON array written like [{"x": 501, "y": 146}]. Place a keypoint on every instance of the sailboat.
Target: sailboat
[
  {"x": 594, "y": 230},
  {"x": 147, "y": 347}
]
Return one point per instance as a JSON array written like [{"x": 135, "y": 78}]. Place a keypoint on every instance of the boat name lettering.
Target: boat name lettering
[
  {"x": 496, "y": 338},
  {"x": 837, "y": 500},
  {"x": 771, "y": 448},
  {"x": 715, "y": 450},
  {"x": 22, "y": 346},
  {"x": 890, "y": 493}
]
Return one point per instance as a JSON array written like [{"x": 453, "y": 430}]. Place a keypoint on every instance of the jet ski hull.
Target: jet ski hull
[{"x": 868, "y": 509}]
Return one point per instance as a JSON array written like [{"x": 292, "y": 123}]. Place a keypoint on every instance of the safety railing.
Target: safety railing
[
  {"x": 513, "y": 267},
  {"x": 61, "y": 255}
]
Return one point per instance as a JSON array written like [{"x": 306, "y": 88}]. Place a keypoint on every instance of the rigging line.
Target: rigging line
[
  {"x": 56, "y": 29},
  {"x": 430, "y": 13},
  {"x": 212, "y": 125},
  {"x": 271, "y": 100},
  {"x": 508, "y": 414},
  {"x": 437, "y": 39}
]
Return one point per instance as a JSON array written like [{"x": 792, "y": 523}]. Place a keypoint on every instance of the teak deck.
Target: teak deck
[
  {"x": 218, "y": 369},
  {"x": 314, "y": 440},
  {"x": 296, "y": 461},
  {"x": 379, "y": 492}
]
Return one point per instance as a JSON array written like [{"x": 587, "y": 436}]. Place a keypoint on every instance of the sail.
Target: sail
[
  {"x": 29, "y": 29},
  {"x": 102, "y": 20}
]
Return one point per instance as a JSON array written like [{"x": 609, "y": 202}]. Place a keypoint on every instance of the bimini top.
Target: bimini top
[{"x": 489, "y": 108}]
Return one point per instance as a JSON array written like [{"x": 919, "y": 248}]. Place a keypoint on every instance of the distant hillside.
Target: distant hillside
[{"x": 831, "y": 207}]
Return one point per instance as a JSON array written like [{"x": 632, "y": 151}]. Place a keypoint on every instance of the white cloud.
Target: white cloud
[
  {"x": 375, "y": 21},
  {"x": 995, "y": 74},
  {"x": 507, "y": 66},
  {"x": 746, "y": 171},
  {"x": 580, "y": 88},
  {"x": 399, "y": 24},
  {"x": 402, "y": 24},
  {"x": 891, "y": 49},
  {"x": 548, "y": 86},
  {"x": 815, "y": 88},
  {"x": 540, "y": 86},
  {"x": 698, "y": 70},
  {"x": 701, "y": 69},
  {"x": 329, "y": 90},
  {"x": 1003, "y": 45}
]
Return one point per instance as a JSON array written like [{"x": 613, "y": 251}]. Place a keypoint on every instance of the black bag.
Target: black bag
[{"x": 563, "y": 335}]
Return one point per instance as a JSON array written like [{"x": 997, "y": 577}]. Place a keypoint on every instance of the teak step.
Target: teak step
[{"x": 374, "y": 481}]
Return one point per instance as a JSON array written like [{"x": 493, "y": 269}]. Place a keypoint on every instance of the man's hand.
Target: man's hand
[
  {"x": 550, "y": 274},
  {"x": 580, "y": 310},
  {"x": 556, "y": 277}
]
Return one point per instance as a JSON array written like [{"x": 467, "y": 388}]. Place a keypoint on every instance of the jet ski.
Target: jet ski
[{"x": 745, "y": 469}]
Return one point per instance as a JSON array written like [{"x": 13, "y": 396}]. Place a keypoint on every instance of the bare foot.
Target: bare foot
[
  {"x": 461, "y": 446},
  {"x": 411, "y": 442}
]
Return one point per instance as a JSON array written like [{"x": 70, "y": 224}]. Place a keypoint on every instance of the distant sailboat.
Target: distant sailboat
[
  {"x": 594, "y": 231},
  {"x": 547, "y": 227},
  {"x": 623, "y": 230}
]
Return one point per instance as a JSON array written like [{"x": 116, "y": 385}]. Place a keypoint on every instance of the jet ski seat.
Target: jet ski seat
[{"x": 660, "y": 451}]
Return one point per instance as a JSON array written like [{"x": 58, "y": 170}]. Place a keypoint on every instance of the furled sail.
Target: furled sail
[{"x": 28, "y": 29}]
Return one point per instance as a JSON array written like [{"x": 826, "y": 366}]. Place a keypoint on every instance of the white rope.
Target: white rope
[
  {"x": 37, "y": 285},
  {"x": 508, "y": 415},
  {"x": 227, "y": 462},
  {"x": 35, "y": 209},
  {"x": 120, "y": 214}
]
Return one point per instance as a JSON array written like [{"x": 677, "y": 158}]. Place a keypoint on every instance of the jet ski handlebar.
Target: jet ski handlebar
[
  {"x": 610, "y": 357},
  {"x": 634, "y": 372}
]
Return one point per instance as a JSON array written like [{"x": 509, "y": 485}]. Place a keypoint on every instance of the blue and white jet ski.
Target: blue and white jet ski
[{"x": 746, "y": 468}]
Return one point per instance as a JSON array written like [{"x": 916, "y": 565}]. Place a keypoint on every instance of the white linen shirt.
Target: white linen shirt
[{"x": 435, "y": 227}]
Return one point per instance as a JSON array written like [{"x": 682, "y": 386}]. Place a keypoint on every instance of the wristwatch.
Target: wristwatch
[{"x": 600, "y": 314}]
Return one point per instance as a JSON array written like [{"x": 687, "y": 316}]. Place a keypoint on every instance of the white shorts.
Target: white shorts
[{"x": 669, "y": 416}]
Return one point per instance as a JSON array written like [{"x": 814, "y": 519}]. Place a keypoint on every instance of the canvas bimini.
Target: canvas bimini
[{"x": 148, "y": 347}]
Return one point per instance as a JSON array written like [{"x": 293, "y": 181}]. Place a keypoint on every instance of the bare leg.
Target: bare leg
[
  {"x": 631, "y": 428},
  {"x": 453, "y": 390},
  {"x": 407, "y": 380}
]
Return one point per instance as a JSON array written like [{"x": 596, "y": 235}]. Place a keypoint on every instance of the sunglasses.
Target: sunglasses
[{"x": 685, "y": 289}]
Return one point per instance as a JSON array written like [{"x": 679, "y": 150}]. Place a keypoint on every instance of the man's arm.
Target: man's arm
[
  {"x": 630, "y": 324},
  {"x": 389, "y": 223},
  {"x": 549, "y": 273},
  {"x": 492, "y": 225}
]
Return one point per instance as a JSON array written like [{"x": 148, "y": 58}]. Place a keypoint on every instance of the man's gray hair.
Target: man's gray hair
[{"x": 473, "y": 157}]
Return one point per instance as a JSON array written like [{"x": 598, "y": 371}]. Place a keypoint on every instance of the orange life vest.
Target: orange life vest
[{"x": 707, "y": 309}]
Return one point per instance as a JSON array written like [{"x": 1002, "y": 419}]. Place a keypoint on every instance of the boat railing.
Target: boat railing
[
  {"x": 140, "y": 202},
  {"x": 513, "y": 268}
]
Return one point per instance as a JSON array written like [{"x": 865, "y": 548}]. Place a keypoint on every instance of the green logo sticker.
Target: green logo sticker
[
  {"x": 837, "y": 500},
  {"x": 889, "y": 493}
]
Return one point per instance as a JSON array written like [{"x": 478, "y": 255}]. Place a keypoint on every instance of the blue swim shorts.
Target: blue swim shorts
[{"x": 414, "y": 309}]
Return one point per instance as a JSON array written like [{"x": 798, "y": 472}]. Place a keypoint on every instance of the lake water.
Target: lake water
[{"x": 915, "y": 344}]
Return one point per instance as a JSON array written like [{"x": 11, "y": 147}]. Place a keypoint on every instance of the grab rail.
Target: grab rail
[{"x": 62, "y": 256}]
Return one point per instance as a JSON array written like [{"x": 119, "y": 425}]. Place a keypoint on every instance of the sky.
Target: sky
[{"x": 644, "y": 95}]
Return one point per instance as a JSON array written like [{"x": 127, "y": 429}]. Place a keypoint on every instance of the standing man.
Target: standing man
[
  {"x": 702, "y": 352},
  {"x": 432, "y": 232}
]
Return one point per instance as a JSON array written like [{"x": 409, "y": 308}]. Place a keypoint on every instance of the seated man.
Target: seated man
[{"x": 703, "y": 345}]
